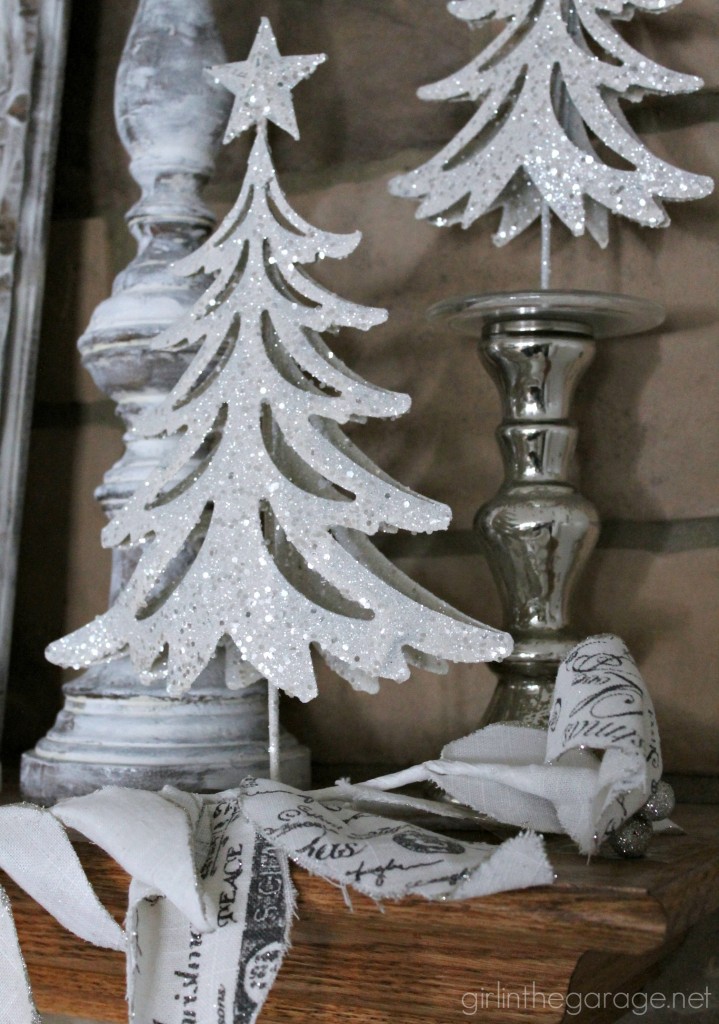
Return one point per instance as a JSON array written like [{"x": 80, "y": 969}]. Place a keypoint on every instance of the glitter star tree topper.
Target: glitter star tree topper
[
  {"x": 254, "y": 535},
  {"x": 549, "y": 128}
]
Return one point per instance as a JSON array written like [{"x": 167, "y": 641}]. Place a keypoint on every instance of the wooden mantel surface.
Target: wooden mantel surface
[{"x": 509, "y": 958}]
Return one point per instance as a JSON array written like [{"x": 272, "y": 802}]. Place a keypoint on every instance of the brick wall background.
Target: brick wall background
[{"x": 647, "y": 408}]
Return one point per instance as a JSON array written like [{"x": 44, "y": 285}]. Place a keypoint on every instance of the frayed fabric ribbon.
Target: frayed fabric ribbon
[
  {"x": 596, "y": 765},
  {"x": 211, "y": 900}
]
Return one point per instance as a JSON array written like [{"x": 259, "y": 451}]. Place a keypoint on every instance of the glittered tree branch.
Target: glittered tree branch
[
  {"x": 255, "y": 532},
  {"x": 549, "y": 127}
]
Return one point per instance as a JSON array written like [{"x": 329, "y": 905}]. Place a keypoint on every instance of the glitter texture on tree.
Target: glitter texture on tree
[
  {"x": 550, "y": 127},
  {"x": 255, "y": 533}
]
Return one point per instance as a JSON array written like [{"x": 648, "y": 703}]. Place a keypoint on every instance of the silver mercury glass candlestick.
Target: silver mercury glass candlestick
[{"x": 538, "y": 531}]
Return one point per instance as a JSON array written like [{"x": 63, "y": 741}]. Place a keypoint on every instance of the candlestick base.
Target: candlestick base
[{"x": 108, "y": 734}]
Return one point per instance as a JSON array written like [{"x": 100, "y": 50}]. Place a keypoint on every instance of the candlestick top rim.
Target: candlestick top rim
[{"x": 601, "y": 314}]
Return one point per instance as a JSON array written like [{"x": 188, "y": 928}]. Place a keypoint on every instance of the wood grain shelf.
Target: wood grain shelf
[{"x": 601, "y": 927}]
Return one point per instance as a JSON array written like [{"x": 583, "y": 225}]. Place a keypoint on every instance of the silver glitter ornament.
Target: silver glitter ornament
[
  {"x": 255, "y": 531},
  {"x": 548, "y": 86},
  {"x": 660, "y": 804},
  {"x": 632, "y": 838}
]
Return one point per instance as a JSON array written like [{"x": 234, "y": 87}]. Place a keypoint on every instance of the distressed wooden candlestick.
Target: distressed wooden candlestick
[
  {"x": 112, "y": 729},
  {"x": 539, "y": 530}
]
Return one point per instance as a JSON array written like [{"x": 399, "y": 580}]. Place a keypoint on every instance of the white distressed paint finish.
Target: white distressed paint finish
[
  {"x": 112, "y": 728},
  {"x": 32, "y": 56}
]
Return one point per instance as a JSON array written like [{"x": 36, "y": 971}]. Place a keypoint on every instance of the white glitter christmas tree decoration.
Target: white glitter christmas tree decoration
[
  {"x": 549, "y": 128},
  {"x": 255, "y": 533}
]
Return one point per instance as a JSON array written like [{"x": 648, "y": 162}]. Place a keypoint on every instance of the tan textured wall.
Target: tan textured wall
[{"x": 647, "y": 409}]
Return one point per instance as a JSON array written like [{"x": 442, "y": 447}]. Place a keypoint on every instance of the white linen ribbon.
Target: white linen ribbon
[
  {"x": 554, "y": 781},
  {"x": 211, "y": 901}
]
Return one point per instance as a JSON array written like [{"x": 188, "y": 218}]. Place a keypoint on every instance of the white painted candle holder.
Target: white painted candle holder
[{"x": 113, "y": 730}]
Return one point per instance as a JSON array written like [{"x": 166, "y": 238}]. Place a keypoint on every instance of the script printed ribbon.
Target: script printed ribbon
[{"x": 211, "y": 900}]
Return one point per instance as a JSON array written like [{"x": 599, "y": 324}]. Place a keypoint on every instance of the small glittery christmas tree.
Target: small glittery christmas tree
[
  {"x": 550, "y": 128},
  {"x": 255, "y": 534}
]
